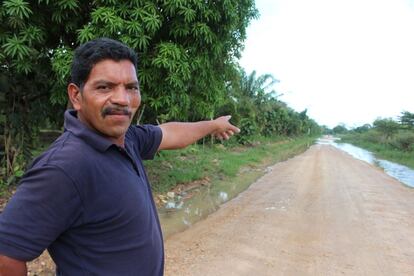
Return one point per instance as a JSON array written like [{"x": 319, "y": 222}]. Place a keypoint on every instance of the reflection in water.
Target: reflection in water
[
  {"x": 402, "y": 173},
  {"x": 223, "y": 196},
  {"x": 356, "y": 152},
  {"x": 179, "y": 214}
]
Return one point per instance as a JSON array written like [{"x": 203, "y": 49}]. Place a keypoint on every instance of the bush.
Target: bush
[
  {"x": 403, "y": 141},
  {"x": 375, "y": 137},
  {"x": 248, "y": 128}
]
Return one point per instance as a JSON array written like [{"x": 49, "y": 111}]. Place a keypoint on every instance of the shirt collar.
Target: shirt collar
[{"x": 91, "y": 137}]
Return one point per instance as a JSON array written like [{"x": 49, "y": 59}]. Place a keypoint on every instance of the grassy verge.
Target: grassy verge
[
  {"x": 382, "y": 151},
  {"x": 218, "y": 162}
]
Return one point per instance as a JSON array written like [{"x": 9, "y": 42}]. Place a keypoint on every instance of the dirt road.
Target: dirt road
[{"x": 320, "y": 213}]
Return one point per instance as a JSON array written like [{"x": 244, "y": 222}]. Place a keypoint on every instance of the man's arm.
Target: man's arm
[
  {"x": 177, "y": 135},
  {"x": 12, "y": 267}
]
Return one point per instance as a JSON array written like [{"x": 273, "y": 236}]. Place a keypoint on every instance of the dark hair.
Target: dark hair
[{"x": 94, "y": 51}]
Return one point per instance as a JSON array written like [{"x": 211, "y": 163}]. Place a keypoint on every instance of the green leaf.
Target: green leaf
[
  {"x": 133, "y": 28},
  {"x": 16, "y": 22},
  {"x": 23, "y": 66},
  {"x": 61, "y": 63},
  {"x": 86, "y": 34},
  {"x": 32, "y": 34},
  {"x": 18, "y": 8},
  {"x": 152, "y": 22},
  {"x": 19, "y": 173},
  {"x": 16, "y": 48},
  {"x": 103, "y": 15},
  {"x": 68, "y": 4},
  {"x": 189, "y": 14},
  {"x": 58, "y": 16}
]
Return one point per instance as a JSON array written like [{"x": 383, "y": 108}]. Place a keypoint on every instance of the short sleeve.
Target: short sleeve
[
  {"x": 45, "y": 204},
  {"x": 146, "y": 139}
]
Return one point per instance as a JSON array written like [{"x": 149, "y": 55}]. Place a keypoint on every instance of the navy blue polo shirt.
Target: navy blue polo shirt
[{"x": 89, "y": 203}]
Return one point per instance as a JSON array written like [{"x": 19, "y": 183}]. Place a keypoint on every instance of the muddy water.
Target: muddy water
[
  {"x": 180, "y": 211},
  {"x": 402, "y": 173}
]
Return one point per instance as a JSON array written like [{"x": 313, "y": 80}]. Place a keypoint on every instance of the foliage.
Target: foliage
[
  {"x": 29, "y": 34},
  {"x": 403, "y": 141},
  {"x": 248, "y": 129},
  {"x": 363, "y": 128},
  {"x": 387, "y": 127},
  {"x": 372, "y": 141},
  {"x": 391, "y": 139},
  {"x": 188, "y": 70},
  {"x": 187, "y": 49},
  {"x": 171, "y": 168},
  {"x": 407, "y": 119},
  {"x": 258, "y": 111},
  {"x": 339, "y": 129}
]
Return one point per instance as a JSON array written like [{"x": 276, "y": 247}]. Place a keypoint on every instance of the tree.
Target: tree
[
  {"x": 407, "y": 119},
  {"x": 388, "y": 127},
  {"x": 363, "y": 128},
  {"x": 255, "y": 99},
  {"x": 258, "y": 110},
  {"x": 187, "y": 51},
  {"x": 30, "y": 35},
  {"x": 339, "y": 129}
]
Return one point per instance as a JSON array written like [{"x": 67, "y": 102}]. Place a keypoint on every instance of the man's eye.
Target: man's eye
[{"x": 103, "y": 87}]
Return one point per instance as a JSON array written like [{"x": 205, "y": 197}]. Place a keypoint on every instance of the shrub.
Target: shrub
[
  {"x": 248, "y": 128},
  {"x": 403, "y": 141}
]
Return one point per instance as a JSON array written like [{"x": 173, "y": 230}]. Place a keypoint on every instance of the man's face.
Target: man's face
[{"x": 109, "y": 98}]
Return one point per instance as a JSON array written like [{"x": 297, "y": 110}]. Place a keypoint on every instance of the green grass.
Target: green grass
[
  {"x": 382, "y": 151},
  {"x": 218, "y": 162}
]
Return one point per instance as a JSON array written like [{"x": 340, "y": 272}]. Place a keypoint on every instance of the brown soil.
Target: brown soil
[{"x": 320, "y": 213}]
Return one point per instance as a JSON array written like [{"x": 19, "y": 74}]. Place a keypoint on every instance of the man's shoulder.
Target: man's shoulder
[
  {"x": 65, "y": 152},
  {"x": 143, "y": 130},
  {"x": 145, "y": 139}
]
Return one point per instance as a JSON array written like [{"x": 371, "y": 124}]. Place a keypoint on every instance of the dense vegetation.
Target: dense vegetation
[
  {"x": 388, "y": 138},
  {"x": 188, "y": 52},
  {"x": 219, "y": 162}
]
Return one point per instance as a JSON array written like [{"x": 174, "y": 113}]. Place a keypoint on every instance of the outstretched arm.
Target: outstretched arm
[
  {"x": 177, "y": 135},
  {"x": 12, "y": 267}
]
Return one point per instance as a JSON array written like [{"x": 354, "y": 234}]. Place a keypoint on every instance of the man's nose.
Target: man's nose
[{"x": 120, "y": 96}]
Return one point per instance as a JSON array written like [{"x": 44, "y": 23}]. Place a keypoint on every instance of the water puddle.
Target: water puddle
[
  {"x": 402, "y": 173},
  {"x": 186, "y": 208}
]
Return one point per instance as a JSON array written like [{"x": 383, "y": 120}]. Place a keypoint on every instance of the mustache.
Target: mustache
[{"x": 116, "y": 110}]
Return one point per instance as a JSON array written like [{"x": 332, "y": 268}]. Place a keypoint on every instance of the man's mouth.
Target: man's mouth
[{"x": 110, "y": 110}]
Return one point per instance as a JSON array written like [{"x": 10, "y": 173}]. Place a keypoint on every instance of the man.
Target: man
[{"x": 87, "y": 198}]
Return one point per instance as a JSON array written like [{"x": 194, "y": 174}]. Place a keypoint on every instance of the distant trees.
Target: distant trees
[
  {"x": 363, "y": 128},
  {"x": 253, "y": 101},
  {"x": 339, "y": 129},
  {"x": 386, "y": 131},
  {"x": 407, "y": 119},
  {"x": 387, "y": 127}
]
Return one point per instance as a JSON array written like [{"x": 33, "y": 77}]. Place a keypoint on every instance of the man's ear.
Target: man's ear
[{"x": 74, "y": 95}]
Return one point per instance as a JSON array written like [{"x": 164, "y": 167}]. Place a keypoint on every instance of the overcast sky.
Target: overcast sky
[{"x": 346, "y": 61}]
